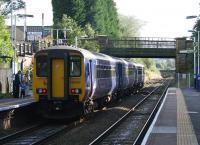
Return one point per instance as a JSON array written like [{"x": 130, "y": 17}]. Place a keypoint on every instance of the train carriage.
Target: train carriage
[
  {"x": 69, "y": 82},
  {"x": 139, "y": 76}
]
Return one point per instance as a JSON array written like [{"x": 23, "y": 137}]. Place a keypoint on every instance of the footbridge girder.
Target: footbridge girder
[{"x": 140, "y": 52}]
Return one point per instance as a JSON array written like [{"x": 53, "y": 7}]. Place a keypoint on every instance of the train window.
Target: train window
[
  {"x": 41, "y": 66},
  {"x": 140, "y": 71},
  {"x": 75, "y": 66}
]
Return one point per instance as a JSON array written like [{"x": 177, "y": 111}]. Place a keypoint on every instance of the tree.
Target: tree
[
  {"x": 196, "y": 28},
  {"x": 101, "y": 14},
  {"x": 5, "y": 42},
  {"x": 77, "y": 31},
  {"x": 5, "y": 6},
  {"x": 129, "y": 26},
  {"x": 69, "y": 23},
  {"x": 89, "y": 31},
  {"x": 73, "y": 8}
]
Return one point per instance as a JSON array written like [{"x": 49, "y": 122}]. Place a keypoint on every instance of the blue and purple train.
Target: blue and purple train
[{"x": 70, "y": 81}]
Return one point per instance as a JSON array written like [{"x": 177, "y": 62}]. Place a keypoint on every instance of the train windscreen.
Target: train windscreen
[
  {"x": 75, "y": 66},
  {"x": 41, "y": 66}
]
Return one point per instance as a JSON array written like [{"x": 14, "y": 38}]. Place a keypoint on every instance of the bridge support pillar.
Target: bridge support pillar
[{"x": 184, "y": 55}]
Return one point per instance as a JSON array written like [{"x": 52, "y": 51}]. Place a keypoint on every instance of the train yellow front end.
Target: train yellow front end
[{"x": 59, "y": 82}]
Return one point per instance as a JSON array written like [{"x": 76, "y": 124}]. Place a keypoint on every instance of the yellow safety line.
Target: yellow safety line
[{"x": 185, "y": 131}]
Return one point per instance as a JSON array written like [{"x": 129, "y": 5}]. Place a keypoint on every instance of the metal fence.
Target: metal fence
[{"x": 185, "y": 80}]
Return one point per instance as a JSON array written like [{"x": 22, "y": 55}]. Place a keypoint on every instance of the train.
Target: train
[{"x": 69, "y": 81}]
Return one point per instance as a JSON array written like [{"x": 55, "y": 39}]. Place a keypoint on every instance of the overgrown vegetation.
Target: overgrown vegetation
[
  {"x": 5, "y": 6},
  {"x": 129, "y": 26},
  {"x": 77, "y": 31},
  {"x": 151, "y": 72},
  {"x": 5, "y": 42},
  {"x": 100, "y": 14},
  {"x": 7, "y": 95},
  {"x": 163, "y": 64}
]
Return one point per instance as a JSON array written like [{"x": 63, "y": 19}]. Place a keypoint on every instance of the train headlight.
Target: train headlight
[
  {"x": 41, "y": 90},
  {"x": 75, "y": 91}
]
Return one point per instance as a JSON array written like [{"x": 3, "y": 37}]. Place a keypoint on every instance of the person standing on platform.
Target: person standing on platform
[
  {"x": 17, "y": 83},
  {"x": 23, "y": 88}
]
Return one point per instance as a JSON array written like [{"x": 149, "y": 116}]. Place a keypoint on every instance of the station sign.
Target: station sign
[
  {"x": 186, "y": 51},
  {"x": 34, "y": 36}
]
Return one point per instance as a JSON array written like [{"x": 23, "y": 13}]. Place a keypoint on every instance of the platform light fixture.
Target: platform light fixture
[{"x": 196, "y": 43}]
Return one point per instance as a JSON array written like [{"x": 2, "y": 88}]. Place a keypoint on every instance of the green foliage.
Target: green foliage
[
  {"x": 89, "y": 31},
  {"x": 150, "y": 67},
  {"x": 73, "y": 8},
  {"x": 5, "y": 6},
  {"x": 77, "y": 31},
  {"x": 101, "y": 14},
  {"x": 5, "y": 42},
  {"x": 90, "y": 45},
  {"x": 196, "y": 28},
  {"x": 103, "y": 17},
  {"x": 165, "y": 64},
  {"x": 149, "y": 63},
  {"x": 6, "y": 95},
  {"x": 129, "y": 26},
  {"x": 68, "y": 22}
]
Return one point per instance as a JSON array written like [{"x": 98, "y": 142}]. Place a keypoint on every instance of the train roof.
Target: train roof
[
  {"x": 84, "y": 52},
  {"x": 90, "y": 54},
  {"x": 139, "y": 65},
  {"x": 65, "y": 47}
]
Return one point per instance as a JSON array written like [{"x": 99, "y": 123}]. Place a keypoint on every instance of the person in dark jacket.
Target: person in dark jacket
[{"x": 17, "y": 83}]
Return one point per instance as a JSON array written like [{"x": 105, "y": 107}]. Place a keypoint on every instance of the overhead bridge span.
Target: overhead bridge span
[{"x": 139, "y": 47}]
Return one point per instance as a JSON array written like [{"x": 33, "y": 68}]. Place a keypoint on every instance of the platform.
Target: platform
[
  {"x": 13, "y": 103},
  {"x": 178, "y": 119}
]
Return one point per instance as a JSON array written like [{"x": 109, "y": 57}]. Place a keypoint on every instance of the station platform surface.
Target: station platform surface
[
  {"x": 178, "y": 119},
  {"x": 13, "y": 103}
]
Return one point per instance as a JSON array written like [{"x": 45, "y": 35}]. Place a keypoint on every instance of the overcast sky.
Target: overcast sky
[{"x": 163, "y": 18}]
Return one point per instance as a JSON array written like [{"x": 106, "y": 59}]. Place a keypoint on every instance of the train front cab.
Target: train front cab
[{"x": 58, "y": 83}]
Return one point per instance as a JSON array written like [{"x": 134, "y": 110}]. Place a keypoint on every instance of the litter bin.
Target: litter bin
[{"x": 198, "y": 82}]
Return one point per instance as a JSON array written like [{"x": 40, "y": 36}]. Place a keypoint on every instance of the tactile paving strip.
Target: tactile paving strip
[{"x": 185, "y": 131}]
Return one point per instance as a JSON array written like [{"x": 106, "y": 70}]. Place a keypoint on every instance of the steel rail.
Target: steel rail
[
  {"x": 119, "y": 121},
  {"x": 37, "y": 134},
  {"x": 145, "y": 128},
  {"x": 14, "y": 135}
]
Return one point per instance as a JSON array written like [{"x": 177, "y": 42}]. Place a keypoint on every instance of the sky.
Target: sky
[{"x": 162, "y": 18}]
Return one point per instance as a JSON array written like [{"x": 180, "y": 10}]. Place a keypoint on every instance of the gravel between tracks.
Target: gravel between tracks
[{"x": 94, "y": 126}]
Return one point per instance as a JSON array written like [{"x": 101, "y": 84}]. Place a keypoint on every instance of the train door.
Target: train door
[
  {"x": 57, "y": 78},
  {"x": 90, "y": 76},
  {"x": 120, "y": 79}
]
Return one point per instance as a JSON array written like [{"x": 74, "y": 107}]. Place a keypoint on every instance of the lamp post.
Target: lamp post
[
  {"x": 196, "y": 44},
  {"x": 25, "y": 16}
]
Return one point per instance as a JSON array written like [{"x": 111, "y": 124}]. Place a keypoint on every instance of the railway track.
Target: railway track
[
  {"x": 44, "y": 133},
  {"x": 36, "y": 134},
  {"x": 131, "y": 128}
]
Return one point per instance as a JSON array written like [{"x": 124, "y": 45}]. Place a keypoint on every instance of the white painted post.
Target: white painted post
[
  {"x": 76, "y": 41},
  {"x": 189, "y": 80},
  {"x": 178, "y": 80},
  {"x": 57, "y": 36}
]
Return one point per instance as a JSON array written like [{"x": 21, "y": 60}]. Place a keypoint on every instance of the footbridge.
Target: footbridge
[
  {"x": 180, "y": 49},
  {"x": 138, "y": 47}
]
